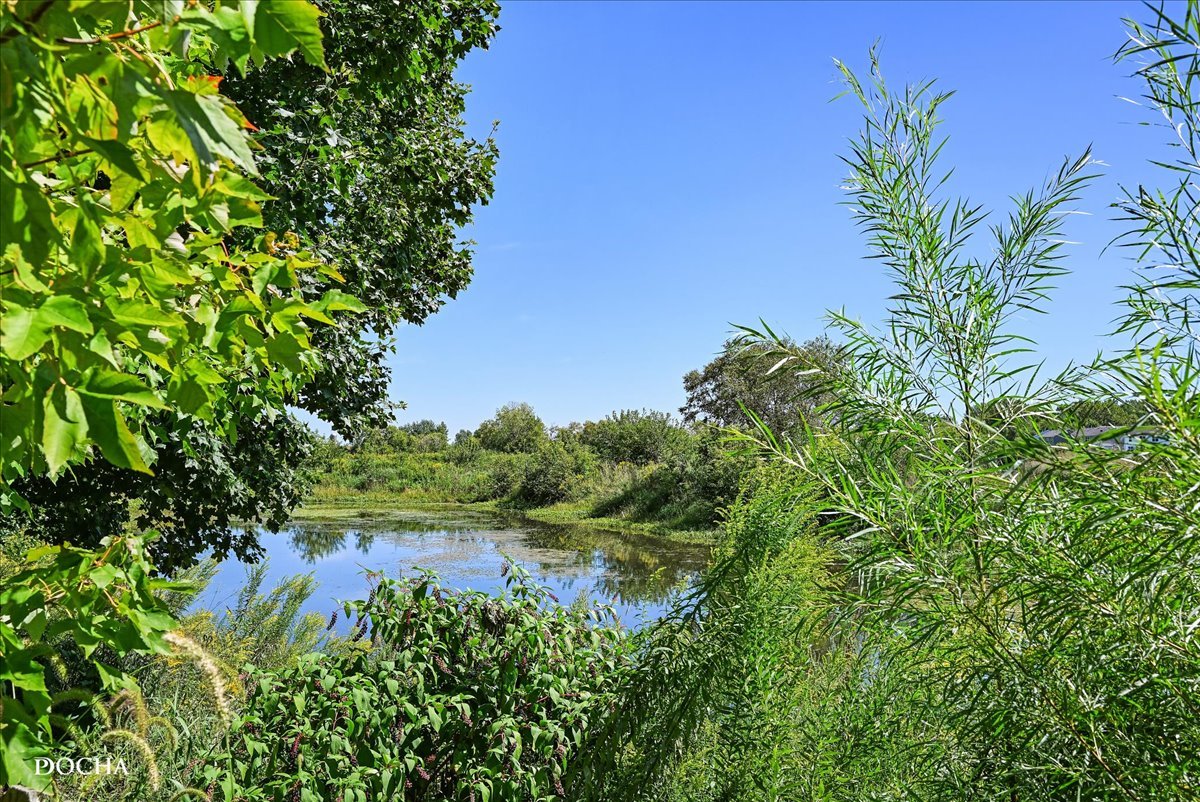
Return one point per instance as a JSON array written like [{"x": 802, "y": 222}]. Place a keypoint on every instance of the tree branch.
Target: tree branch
[
  {"x": 109, "y": 37},
  {"x": 70, "y": 154}
]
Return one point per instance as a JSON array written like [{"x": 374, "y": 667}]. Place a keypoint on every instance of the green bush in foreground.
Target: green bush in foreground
[
  {"x": 75, "y": 604},
  {"x": 461, "y": 696}
]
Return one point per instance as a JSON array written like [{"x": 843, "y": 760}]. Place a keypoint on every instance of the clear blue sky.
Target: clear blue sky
[{"x": 670, "y": 168}]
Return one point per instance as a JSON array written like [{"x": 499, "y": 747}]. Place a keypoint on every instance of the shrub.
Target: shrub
[
  {"x": 515, "y": 429},
  {"x": 504, "y": 473},
  {"x": 633, "y": 436},
  {"x": 461, "y": 696},
  {"x": 465, "y": 449},
  {"x": 554, "y": 473}
]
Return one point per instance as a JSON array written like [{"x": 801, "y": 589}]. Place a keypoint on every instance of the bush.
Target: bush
[
  {"x": 462, "y": 696},
  {"x": 465, "y": 449},
  {"x": 515, "y": 429},
  {"x": 504, "y": 473},
  {"x": 687, "y": 492},
  {"x": 633, "y": 436},
  {"x": 423, "y": 437},
  {"x": 554, "y": 473}
]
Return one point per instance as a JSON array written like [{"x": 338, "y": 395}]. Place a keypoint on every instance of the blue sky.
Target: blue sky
[{"x": 667, "y": 169}]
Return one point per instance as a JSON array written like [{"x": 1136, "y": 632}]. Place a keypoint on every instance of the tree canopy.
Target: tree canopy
[
  {"x": 238, "y": 306},
  {"x": 742, "y": 375},
  {"x": 516, "y": 428},
  {"x": 370, "y": 164}
]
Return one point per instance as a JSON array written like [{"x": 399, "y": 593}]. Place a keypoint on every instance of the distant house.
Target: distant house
[{"x": 1120, "y": 439}]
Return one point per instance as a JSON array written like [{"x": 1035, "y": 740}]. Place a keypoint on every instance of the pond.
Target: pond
[{"x": 637, "y": 573}]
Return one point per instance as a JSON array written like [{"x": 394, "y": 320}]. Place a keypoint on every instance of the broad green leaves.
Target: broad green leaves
[
  {"x": 459, "y": 696},
  {"x": 76, "y": 597},
  {"x": 122, "y": 170},
  {"x": 280, "y": 28}
]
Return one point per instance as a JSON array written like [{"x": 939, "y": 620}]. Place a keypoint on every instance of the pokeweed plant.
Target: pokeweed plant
[{"x": 448, "y": 696}]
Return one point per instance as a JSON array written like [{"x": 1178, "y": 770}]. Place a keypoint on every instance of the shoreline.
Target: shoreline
[{"x": 378, "y": 507}]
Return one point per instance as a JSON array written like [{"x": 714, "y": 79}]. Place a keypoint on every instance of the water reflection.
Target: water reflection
[{"x": 637, "y": 572}]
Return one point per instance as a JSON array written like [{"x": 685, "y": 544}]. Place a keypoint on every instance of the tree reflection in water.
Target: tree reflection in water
[{"x": 574, "y": 560}]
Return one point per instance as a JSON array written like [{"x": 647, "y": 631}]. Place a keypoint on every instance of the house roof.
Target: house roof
[{"x": 1088, "y": 433}]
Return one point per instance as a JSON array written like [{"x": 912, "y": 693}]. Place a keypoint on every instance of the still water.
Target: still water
[{"x": 637, "y": 573}]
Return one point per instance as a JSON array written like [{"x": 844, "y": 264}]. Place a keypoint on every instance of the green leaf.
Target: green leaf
[
  {"x": 117, "y": 154},
  {"x": 338, "y": 301},
  {"x": 231, "y": 33},
  {"x": 123, "y": 190},
  {"x": 36, "y": 625},
  {"x": 139, "y": 234},
  {"x": 112, "y": 435},
  {"x": 24, "y": 330},
  {"x": 22, "y": 334},
  {"x": 120, "y": 386},
  {"x": 198, "y": 128},
  {"x": 286, "y": 349},
  {"x": 65, "y": 312},
  {"x": 87, "y": 246},
  {"x": 138, "y": 314},
  {"x": 104, "y": 575},
  {"x": 64, "y": 427},
  {"x": 280, "y": 28}
]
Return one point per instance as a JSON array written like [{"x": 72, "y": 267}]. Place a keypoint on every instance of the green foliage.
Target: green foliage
[
  {"x": 203, "y": 487},
  {"x": 687, "y": 492},
  {"x": 141, "y": 302},
  {"x": 719, "y": 705},
  {"x": 359, "y": 153},
  {"x": 188, "y": 699},
  {"x": 369, "y": 163},
  {"x": 70, "y": 601},
  {"x": 1032, "y": 597},
  {"x": 751, "y": 376},
  {"x": 1102, "y": 411},
  {"x": 689, "y": 479},
  {"x": 991, "y": 615},
  {"x": 153, "y": 333},
  {"x": 461, "y": 696},
  {"x": 266, "y": 629},
  {"x": 553, "y": 473},
  {"x": 633, "y": 436},
  {"x": 515, "y": 429},
  {"x": 452, "y": 475},
  {"x": 123, "y": 173},
  {"x": 422, "y": 436}
]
